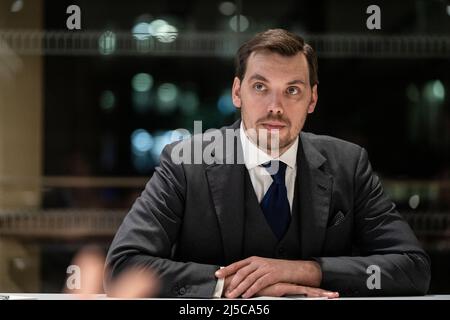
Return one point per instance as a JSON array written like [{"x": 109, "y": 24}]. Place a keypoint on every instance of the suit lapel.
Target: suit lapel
[
  {"x": 315, "y": 186},
  {"x": 226, "y": 183}
]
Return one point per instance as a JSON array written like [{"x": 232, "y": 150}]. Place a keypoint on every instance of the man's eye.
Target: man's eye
[
  {"x": 293, "y": 90},
  {"x": 259, "y": 87}
]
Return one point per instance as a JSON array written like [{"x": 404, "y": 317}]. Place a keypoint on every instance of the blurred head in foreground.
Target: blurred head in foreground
[{"x": 87, "y": 278}]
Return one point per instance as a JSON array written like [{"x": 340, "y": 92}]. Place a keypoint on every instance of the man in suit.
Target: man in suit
[{"x": 305, "y": 215}]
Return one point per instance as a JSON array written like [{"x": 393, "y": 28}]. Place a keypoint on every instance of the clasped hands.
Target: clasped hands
[{"x": 257, "y": 276}]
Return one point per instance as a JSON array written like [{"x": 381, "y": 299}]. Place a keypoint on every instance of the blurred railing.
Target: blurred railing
[
  {"x": 433, "y": 229},
  {"x": 60, "y": 223},
  {"x": 429, "y": 224},
  {"x": 213, "y": 44},
  {"x": 74, "y": 181},
  {"x": 428, "y": 214}
]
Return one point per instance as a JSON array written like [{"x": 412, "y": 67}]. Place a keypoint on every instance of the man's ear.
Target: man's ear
[
  {"x": 314, "y": 98},
  {"x": 236, "y": 92}
]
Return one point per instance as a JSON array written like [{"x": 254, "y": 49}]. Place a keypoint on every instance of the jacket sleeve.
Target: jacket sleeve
[
  {"x": 385, "y": 243},
  {"x": 149, "y": 232}
]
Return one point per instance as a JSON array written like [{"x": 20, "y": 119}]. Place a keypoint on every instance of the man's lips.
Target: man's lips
[{"x": 273, "y": 125}]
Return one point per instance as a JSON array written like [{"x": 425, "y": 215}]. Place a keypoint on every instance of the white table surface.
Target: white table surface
[{"x": 61, "y": 296}]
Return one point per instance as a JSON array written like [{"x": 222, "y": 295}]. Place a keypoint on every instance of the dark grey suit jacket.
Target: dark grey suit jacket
[{"x": 189, "y": 220}]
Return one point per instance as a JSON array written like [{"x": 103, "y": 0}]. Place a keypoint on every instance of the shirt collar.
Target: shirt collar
[{"x": 253, "y": 156}]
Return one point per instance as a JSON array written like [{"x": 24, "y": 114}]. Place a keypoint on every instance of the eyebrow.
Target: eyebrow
[
  {"x": 257, "y": 76},
  {"x": 296, "y": 81}
]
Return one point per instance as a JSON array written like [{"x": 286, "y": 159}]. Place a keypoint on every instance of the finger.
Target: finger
[
  {"x": 284, "y": 289},
  {"x": 258, "y": 285},
  {"x": 275, "y": 290},
  {"x": 90, "y": 262},
  {"x": 231, "y": 269},
  {"x": 247, "y": 282},
  {"x": 331, "y": 294},
  {"x": 240, "y": 277},
  {"x": 313, "y": 292}
]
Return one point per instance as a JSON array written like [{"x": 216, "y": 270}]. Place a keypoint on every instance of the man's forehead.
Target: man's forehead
[{"x": 270, "y": 63}]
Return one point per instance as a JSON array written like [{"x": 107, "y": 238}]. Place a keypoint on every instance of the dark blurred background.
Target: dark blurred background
[{"x": 84, "y": 114}]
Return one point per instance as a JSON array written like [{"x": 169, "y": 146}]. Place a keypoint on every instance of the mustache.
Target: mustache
[{"x": 278, "y": 118}]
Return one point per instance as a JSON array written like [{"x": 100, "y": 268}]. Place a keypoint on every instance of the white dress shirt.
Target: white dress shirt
[{"x": 261, "y": 180}]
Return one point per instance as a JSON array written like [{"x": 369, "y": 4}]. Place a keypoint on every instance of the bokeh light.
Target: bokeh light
[
  {"x": 244, "y": 23},
  {"x": 142, "y": 82},
  {"x": 107, "y": 43},
  {"x": 141, "y": 141},
  {"x": 107, "y": 100},
  {"x": 225, "y": 103},
  {"x": 167, "y": 95}
]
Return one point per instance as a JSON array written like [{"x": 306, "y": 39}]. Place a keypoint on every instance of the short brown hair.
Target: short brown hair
[{"x": 282, "y": 42}]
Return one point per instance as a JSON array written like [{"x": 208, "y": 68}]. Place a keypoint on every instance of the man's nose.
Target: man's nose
[{"x": 275, "y": 104}]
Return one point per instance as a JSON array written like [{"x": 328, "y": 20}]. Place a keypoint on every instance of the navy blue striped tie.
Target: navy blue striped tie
[{"x": 275, "y": 204}]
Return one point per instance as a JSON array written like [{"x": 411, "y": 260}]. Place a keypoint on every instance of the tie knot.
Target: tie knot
[{"x": 277, "y": 169}]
